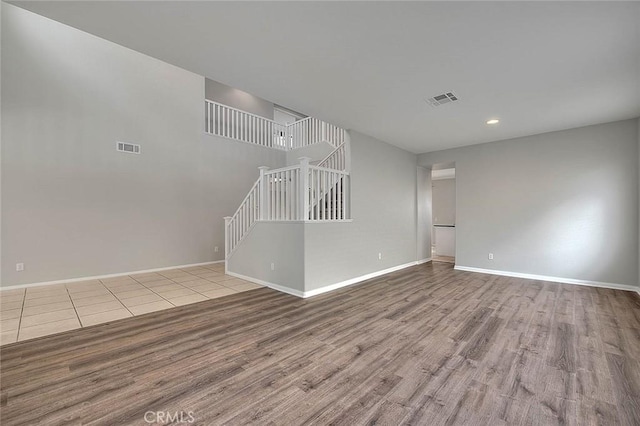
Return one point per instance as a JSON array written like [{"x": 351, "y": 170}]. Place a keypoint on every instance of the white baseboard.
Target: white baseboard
[
  {"x": 325, "y": 289},
  {"x": 361, "y": 278},
  {"x": 99, "y": 277},
  {"x": 549, "y": 278},
  {"x": 283, "y": 289}
]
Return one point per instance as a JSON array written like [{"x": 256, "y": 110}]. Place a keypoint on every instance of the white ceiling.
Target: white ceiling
[{"x": 368, "y": 66}]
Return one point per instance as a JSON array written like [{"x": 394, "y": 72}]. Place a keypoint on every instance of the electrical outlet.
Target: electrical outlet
[
  {"x": 379, "y": 256},
  {"x": 215, "y": 249},
  {"x": 273, "y": 266},
  {"x": 19, "y": 267},
  {"x": 490, "y": 256}
]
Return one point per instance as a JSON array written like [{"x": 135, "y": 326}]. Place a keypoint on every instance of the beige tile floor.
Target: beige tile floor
[{"x": 39, "y": 311}]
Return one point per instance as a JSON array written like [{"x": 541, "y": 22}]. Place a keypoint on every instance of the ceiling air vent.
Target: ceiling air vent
[
  {"x": 130, "y": 148},
  {"x": 445, "y": 98}
]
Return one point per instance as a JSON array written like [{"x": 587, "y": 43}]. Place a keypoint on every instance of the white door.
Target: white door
[{"x": 282, "y": 117}]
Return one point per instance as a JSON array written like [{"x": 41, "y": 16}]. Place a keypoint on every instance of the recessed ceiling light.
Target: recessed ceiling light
[{"x": 493, "y": 121}]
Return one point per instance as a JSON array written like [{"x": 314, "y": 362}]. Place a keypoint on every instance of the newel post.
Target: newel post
[
  {"x": 263, "y": 190},
  {"x": 227, "y": 221},
  {"x": 304, "y": 188}
]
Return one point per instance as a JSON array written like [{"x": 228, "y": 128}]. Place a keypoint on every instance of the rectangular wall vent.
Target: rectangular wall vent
[
  {"x": 445, "y": 98},
  {"x": 130, "y": 148}
]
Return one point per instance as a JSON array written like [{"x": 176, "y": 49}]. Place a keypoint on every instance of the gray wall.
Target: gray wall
[
  {"x": 390, "y": 207},
  {"x": 317, "y": 152},
  {"x": 71, "y": 205},
  {"x": 424, "y": 197},
  {"x": 221, "y": 93},
  {"x": 384, "y": 212},
  {"x": 1, "y": 12},
  {"x": 280, "y": 243},
  {"x": 639, "y": 202},
  {"x": 444, "y": 202},
  {"x": 561, "y": 204}
]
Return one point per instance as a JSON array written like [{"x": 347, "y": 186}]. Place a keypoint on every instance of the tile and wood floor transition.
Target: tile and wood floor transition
[
  {"x": 42, "y": 310},
  {"x": 426, "y": 345}
]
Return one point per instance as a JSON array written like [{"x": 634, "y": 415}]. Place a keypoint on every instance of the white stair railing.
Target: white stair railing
[
  {"x": 333, "y": 135},
  {"x": 238, "y": 225},
  {"x": 232, "y": 123},
  {"x": 282, "y": 200},
  {"x": 337, "y": 159},
  {"x": 297, "y": 193},
  {"x": 328, "y": 192},
  {"x": 304, "y": 132},
  {"x": 310, "y": 131}
]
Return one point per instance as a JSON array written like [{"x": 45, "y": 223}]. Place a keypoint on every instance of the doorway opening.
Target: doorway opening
[
  {"x": 285, "y": 116},
  {"x": 443, "y": 204}
]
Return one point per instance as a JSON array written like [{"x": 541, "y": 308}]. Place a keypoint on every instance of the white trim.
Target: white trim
[
  {"x": 328, "y": 221},
  {"x": 361, "y": 278},
  {"x": 289, "y": 222},
  {"x": 548, "y": 278},
  {"x": 99, "y": 277},
  {"x": 280, "y": 288},
  {"x": 311, "y": 293},
  {"x": 442, "y": 174}
]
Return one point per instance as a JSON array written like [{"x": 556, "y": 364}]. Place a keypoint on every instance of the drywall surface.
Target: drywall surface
[
  {"x": 1, "y": 4},
  {"x": 226, "y": 95},
  {"x": 277, "y": 243},
  {"x": 72, "y": 206},
  {"x": 423, "y": 219},
  {"x": 316, "y": 152},
  {"x": 227, "y": 171},
  {"x": 561, "y": 204},
  {"x": 383, "y": 206},
  {"x": 444, "y": 202}
]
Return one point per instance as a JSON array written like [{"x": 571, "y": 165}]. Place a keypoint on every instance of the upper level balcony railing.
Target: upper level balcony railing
[{"x": 232, "y": 123}]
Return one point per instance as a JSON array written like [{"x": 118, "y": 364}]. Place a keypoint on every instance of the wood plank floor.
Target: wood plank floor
[{"x": 425, "y": 345}]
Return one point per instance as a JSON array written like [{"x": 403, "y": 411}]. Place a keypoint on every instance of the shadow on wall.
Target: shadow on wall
[
  {"x": 582, "y": 238},
  {"x": 577, "y": 230}
]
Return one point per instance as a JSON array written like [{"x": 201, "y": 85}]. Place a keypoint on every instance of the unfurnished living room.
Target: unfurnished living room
[{"x": 327, "y": 213}]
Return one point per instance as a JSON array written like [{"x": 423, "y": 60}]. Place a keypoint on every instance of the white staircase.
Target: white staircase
[
  {"x": 301, "y": 193},
  {"x": 337, "y": 159}
]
